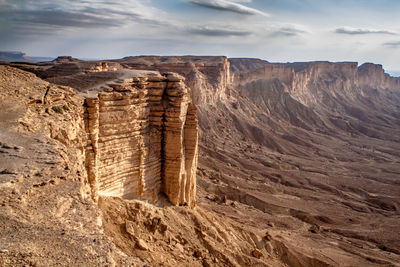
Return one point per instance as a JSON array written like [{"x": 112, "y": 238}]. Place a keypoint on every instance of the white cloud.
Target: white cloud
[
  {"x": 231, "y": 6},
  {"x": 286, "y": 30},
  {"x": 392, "y": 44},
  {"x": 77, "y": 14},
  {"x": 217, "y": 31},
  {"x": 355, "y": 31}
]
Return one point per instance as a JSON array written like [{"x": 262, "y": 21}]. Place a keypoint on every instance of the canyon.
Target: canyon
[{"x": 201, "y": 161}]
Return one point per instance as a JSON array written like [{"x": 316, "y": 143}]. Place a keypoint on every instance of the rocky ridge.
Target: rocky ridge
[
  {"x": 208, "y": 77},
  {"x": 47, "y": 212}
]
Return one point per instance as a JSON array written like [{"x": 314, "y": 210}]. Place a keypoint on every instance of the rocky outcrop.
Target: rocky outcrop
[
  {"x": 343, "y": 78},
  {"x": 66, "y": 67},
  {"x": 73, "y": 67},
  {"x": 240, "y": 65},
  {"x": 141, "y": 128},
  {"x": 142, "y": 134},
  {"x": 297, "y": 76},
  {"x": 102, "y": 66},
  {"x": 373, "y": 75},
  {"x": 208, "y": 77},
  {"x": 311, "y": 78},
  {"x": 46, "y": 217}
]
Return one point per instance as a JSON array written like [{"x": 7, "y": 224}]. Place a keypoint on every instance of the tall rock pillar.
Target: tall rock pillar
[{"x": 180, "y": 143}]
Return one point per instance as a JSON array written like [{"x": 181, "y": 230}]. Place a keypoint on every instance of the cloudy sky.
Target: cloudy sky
[{"x": 274, "y": 30}]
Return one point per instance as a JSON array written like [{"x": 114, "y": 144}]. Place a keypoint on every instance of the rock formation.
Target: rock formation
[
  {"x": 208, "y": 77},
  {"x": 299, "y": 78},
  {"x": 142, "y": 134},
  {"x": 373, "y": 76},
  {"x": 102, "y": 66},
  {"x": 269, "y": 71},
  {"x": 293, "y": 157}
]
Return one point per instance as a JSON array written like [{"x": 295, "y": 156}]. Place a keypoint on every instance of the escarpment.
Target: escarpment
[
  {"x": 208, "y": 76},
  {"x": 141, "y": 127},
  {"x": 142, "y": 139},
  {"x": 373, "y": 76},
  {"x": 269, "y": 70},
  {"x": 298, "y": 76},
  {"x": 296, "y": 156},
  {"x": 307, "y": 81}
]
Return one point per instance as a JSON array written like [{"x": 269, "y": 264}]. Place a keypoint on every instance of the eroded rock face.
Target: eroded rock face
[
  {"x": 373, "y": 75},
  {"x": 304, "y": 80},
  {"x": 208, "y": 77},
  {"x": 268, "y": 70},
  {"x": 142, "y": 134}
]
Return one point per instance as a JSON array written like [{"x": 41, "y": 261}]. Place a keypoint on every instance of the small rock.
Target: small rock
[
  {"x": 141, "y": 244},
  {"x": 216, "y": 198},
  {"x": 256, "y": 253},
  {"x": 130, "y": 228},
  {"x": 267, "y": 236},
  {"x": 180, "y": 247},
  {"x": 314, "y": 229}
]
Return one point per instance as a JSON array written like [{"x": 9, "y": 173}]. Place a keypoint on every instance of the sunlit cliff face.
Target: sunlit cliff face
[{"x": 142, "y": 140}]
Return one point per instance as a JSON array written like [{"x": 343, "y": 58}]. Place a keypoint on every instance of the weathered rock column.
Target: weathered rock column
[
  {"x": 191, "y": 155},
  {"x": 180, "y": 144},
  {"x": 142, "y": 139}
]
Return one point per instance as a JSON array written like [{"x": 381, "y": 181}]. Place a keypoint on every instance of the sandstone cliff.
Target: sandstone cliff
[
  {"x": 373, "y": 76},
  {"x": 142, "y": 134},
  {"x": 59, "y": 146},
  {"x": 268, "y": 71},
  {"x": 301, "y": 78},
  {"x": 46, "y": 214},
  {"x": 208, "y": 77},
  {"x": 295, "y": 157},
  {"x": 141, "y": 128}
]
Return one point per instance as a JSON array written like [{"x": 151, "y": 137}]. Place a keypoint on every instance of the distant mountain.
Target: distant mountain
[{"x": 16, "y": 56}]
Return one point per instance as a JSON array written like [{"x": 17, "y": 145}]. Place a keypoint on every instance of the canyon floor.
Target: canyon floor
[{"x": 298, "y": 171}]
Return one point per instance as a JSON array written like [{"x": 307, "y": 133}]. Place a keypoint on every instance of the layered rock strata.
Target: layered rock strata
[
  {"x": 373, "y": 75},
  {"x": 344, "y": 78},
  {"x": 297, "y": 76},
  {"x": 208, "y": 77},
  {"x": 142, "y": 134}
]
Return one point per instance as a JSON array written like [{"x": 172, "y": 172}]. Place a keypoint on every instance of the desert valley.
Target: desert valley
[{"x": 198, "y": 161}]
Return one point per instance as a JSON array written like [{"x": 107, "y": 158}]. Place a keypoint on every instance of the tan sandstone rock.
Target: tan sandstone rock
[{"x": 142, "y": 139}]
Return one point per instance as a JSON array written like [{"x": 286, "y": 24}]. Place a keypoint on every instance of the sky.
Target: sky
[{"x": 274, "y": 30}]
